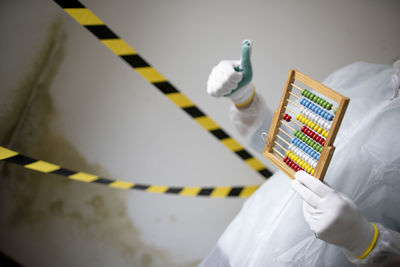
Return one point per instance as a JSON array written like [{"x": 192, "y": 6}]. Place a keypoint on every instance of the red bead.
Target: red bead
[{"x": 323, "y": 142}]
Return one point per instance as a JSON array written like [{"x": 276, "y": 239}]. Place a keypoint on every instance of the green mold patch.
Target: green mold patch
[{"x": 49, "y": 210}]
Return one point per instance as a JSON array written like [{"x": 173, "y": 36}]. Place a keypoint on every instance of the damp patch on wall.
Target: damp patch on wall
[{"x": 47, "y": 219}]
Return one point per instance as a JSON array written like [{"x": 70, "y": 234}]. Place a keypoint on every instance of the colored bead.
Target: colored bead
[
  {"x": 314, "y": 145},
  {"x": 307, "y": 169}
]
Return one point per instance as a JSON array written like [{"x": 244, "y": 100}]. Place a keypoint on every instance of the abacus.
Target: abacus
[{"x": 303, "y": 139}]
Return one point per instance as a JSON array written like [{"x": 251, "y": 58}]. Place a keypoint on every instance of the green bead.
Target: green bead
[
  {"x": 334, "y": 111},
  {"x": 320, "y": 149},
  {"x": 329, "y": 106},
  {"x": 303, "y": 92},
  {"x": 320, "y": 101}
]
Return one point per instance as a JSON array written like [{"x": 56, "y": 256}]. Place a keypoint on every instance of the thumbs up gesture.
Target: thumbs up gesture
[{"x": 233, "y": 79}]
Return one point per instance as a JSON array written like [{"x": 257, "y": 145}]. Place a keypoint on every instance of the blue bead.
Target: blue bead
[
  {"x": 294, "y": 140},
  {"x": 302, "y": 101},
  {"x": 330, "y": 117}
]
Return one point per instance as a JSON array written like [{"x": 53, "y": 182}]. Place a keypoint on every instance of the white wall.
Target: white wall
[{"x": 119, "y": 121}]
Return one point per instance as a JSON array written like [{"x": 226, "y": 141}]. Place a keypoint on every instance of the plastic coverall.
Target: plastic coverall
[{"x": 270, "y": 229}]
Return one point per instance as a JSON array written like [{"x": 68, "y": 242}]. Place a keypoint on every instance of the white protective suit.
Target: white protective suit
[{"x": 270, "y": 229}]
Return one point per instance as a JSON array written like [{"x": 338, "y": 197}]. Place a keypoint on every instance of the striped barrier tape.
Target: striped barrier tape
[
  {"x": 119, "y": 47},
  {"x": 46, "y": 167}
]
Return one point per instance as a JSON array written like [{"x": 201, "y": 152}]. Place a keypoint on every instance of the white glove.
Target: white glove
[
  {"x": 232, "y": 78},
  {"x": 333, "y": 217}
]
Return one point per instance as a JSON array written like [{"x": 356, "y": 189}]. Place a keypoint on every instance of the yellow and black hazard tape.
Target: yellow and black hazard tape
[
  {"x": 11, "y": 156},
  {"x": 119, "y": 47}
]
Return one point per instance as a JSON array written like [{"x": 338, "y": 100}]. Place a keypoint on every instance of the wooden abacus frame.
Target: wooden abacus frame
[{"x": 276, "y": 123}]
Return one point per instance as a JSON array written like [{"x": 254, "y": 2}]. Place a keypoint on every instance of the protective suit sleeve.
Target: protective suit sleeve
[
  {"x": 386, "y": 251},
  {"x": 252, "y": 121}
]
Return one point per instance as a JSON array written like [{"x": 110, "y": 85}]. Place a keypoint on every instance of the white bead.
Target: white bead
[{"x": 314, "y": 164}]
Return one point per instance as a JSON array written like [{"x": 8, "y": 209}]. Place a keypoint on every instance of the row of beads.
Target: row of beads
[
  {"x": 306, "y": 148},
  {"x": 316, "y": 99},
  {"x": 313, "y": 135},
  {"x": 300, "y": 162},
  {"x": 312, "y": 125},
  {"x": 286, "y": 117},
  {"x": 292, "y": 165},
  {"x": 308, "y": 141},
  {"x": 303, "y": 155},
  {"x": 316, "y": 118},
  {"x": 316, "y": 109}
]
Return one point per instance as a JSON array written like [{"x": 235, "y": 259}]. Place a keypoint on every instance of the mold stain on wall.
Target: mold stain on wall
[{"x": 48, "y": 219}]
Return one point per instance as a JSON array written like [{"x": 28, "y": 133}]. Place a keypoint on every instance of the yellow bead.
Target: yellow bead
[
  {"x": 309, "y": 123},
  {"x": 302, "y": 164},
  {"x": 308, "y": 169},
  {"x": 325, "y": 134},
  {"x": 298, "y": 117},
  {"x": 287, "y": 153},
  {"x": 312, "y": 172},
  {"x": 319, "y": 130},
  {"x": 312, "y": 125}
]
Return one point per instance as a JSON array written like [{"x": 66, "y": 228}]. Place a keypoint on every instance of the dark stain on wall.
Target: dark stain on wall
[{"x": 50, "y": 209}]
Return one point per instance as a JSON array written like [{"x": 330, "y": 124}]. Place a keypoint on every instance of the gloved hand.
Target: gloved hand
[
  {"x": 333, "y": 217},
  {"x": 232, "y": 78}
]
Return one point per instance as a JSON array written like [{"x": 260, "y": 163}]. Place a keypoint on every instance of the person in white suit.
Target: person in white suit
[{"x": 351, "y": 218}]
